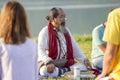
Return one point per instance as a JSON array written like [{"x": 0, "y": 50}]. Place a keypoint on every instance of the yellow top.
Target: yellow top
[{"x": 112, "y": 35}]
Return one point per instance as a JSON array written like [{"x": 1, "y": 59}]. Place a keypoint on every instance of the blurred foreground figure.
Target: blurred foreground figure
[
  {"x": 18, "y": 51},
  {"x": 111, "y": 59}
]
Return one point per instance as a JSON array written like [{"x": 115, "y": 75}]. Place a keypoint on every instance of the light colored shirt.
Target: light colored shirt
[
  {"x": 112, "y": 35},
  {"x": 97, "y": 35},
  {"x": 19, "y": 61},
  {"x": 43, "y": 46}
]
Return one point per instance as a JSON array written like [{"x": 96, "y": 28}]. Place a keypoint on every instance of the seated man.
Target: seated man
[{"x": 57, "y": 48}]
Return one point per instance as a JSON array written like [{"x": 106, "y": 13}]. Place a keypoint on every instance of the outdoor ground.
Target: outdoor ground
[{"x": 84, "y": 42}]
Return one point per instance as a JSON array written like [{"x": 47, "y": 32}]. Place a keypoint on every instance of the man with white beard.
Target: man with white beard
[{"x": 57, "y": 48}]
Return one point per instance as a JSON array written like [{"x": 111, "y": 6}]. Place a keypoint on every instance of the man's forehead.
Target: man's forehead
[{"x": 61, "y": 11}]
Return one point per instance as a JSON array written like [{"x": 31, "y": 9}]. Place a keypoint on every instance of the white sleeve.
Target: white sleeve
[
  {"x": 77, "y": 52},
  {"x": 43, "y": 46}
]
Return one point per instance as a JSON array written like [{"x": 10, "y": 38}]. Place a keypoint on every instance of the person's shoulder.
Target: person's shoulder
[
  {"x": 31, "y": 41},
  {"x": 44, "y": 30},
  {"x": 97, "y": 28},
  {"x": 115, "y": 12}
]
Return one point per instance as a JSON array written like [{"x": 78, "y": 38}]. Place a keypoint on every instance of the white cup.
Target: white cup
[{"x": 76, "y": 72}]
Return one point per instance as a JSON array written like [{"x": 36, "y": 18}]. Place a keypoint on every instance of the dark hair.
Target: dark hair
[{"x": 53, "y": 13}]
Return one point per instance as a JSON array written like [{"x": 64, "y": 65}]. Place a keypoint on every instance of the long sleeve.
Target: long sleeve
[
  {"x": 43, "y": 46},
  {"x": 77, "y": 52}
]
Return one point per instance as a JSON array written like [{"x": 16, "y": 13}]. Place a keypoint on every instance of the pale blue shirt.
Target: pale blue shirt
[{"x": 97, "y": 35}]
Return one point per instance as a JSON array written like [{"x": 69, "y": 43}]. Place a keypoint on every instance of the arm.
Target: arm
[
  {"x": 43, "y": 46},
  {"x": 77, "y": 52},
  {"x": 108, "y": 60},
  {"x": 102, "y": 47},
  {"x": 109, "y": 57},
  {"x": 79, "y": 55}
]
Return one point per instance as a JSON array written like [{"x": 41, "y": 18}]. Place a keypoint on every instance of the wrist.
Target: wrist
[
  {"x": 49, "y": 62},
  {"x": 86, "y": 60},
  {"x": 87, "y": 63}
]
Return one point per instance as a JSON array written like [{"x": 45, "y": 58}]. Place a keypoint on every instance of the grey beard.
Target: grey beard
[
  {"x": 63, "y": 24},
  {"x": 63, "y": 29}
]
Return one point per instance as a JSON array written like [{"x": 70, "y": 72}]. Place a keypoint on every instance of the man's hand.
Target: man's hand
[
  {"x": 87, "y": 64},
  {"x": 50, "y": 67}
]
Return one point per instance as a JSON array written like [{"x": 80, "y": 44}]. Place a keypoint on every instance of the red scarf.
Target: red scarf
[{"x": 53, "y": 46}]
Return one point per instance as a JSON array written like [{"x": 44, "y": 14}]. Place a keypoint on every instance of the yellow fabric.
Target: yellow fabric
[{"x": 112, "y": 35}]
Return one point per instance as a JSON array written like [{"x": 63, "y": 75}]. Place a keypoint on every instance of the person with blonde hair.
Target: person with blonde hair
[{"x": 18, "y": 51}]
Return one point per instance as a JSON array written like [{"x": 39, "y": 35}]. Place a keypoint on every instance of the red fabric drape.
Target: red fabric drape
[{"x": 53, "y": 46}]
